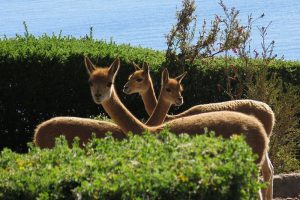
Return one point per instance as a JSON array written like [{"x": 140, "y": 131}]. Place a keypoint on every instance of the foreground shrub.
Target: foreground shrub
[{"x": 164, "y": 166}]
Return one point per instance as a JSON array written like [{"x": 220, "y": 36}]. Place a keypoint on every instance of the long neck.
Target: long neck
[
  {"x": 159, "y": 114},
  {"x": 149, "y": 98},
  {"x": 123, "y": 117}
]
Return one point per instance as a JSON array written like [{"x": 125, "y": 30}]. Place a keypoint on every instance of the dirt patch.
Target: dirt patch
[{"x": 287, "y": 186}]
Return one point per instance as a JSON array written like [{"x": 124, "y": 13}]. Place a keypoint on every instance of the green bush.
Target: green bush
[
  {"x": 43, "y": 77},
  {"x": 162, "y": 166}
]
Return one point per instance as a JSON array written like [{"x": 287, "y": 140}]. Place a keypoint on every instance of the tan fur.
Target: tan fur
[
  {"x": 260, "y": 110},
  {"x": 72, "y": 127}
]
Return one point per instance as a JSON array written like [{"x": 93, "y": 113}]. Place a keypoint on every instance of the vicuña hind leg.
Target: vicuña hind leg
[{"x": 267, "y": 170}]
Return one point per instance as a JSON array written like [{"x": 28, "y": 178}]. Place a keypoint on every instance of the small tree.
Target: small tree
[{"x": 225, "y": 33}]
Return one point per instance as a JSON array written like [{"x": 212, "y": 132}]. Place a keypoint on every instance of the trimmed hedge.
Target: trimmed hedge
[
  {"x": 43, "y": 77},
  {"x": 162, "y": 166}
]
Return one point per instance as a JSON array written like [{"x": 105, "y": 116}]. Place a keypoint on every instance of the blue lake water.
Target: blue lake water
[{"x": 145, "y": 23}]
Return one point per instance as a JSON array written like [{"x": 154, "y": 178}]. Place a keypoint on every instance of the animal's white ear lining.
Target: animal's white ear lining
[
  {"x": 136, "y": 67},
  {"x": 146, "y": 67},
  {"x": 89, "y": 65},
  {"x": 165, "y": 76},
  {"x": 114, "y": 68},
  {"x": 180, "y": 77}
]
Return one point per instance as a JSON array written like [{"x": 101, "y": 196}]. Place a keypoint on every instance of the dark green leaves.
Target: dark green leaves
[{"x": 163, "y": 166}]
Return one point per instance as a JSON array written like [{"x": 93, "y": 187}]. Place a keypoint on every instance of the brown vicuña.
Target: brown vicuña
[
  {"x": 224, "y": 123},
  {"x": 140, "y": 82}
]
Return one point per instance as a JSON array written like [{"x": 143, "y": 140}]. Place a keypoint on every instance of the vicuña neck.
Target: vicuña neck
[
  {"x": 160, "y": 111},
  {"x": 150, "y": 102},
  {"x": 149, "y": 98},
  {"x": 123, "y": 117}
]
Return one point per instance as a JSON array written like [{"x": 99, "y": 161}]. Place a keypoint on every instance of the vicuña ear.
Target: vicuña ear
[
  {"x": 165, "y": 76},
  {"x": 180, "y": 77},
  {"x": 136, "y": 67},
  {"x": 146, "y": 68},
  {"x": 89, "y": 65},
  {"x": 114, "y": 68}
]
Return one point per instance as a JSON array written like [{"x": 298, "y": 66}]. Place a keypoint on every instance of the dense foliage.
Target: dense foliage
[{"x": 162, "y": 166}]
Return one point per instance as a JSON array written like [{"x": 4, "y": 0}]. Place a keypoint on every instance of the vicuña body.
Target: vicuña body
[{"x": 140, "y": 82}]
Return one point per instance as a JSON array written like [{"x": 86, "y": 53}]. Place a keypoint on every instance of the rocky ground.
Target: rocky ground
[{"x": 287, "y": 187}]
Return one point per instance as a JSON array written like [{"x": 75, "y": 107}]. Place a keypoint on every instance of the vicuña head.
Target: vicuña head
[
  {"x": 171, "y": 88},
  {"x": 139, "y": 81},
  {"x": 101, "y": 79}
]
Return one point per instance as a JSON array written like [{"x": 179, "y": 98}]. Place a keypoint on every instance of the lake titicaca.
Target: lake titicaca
[{"x": 145, "y": 23}]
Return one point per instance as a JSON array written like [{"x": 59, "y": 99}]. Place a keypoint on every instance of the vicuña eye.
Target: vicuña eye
[
  {"x": 139, "y": 80},
  {"x": 168, "y": 89},
  {"x": 90, "y": 83},
  {"x": 108, "y": 84}
]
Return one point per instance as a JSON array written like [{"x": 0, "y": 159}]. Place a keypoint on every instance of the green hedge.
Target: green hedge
[
  {"x": 42, "y": 77},
  {"x": 164, "y": 166}
]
